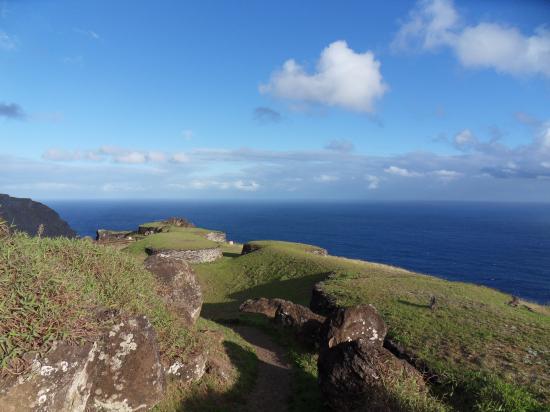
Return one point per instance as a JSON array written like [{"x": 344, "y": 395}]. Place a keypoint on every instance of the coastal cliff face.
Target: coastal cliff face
[{"x": 27, "y": 216}]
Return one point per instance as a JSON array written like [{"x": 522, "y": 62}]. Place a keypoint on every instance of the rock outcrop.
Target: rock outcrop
[
  {"x": 356, "y": 373},
  {"x": 121, "y": 371},
  {"x": 305, "y": 323},
  {"x": 181, "y": 290},
  {"x": 190, "y": 255},
  {"x": 27, "y": 216},
  {"x": 108, "y": 236}
]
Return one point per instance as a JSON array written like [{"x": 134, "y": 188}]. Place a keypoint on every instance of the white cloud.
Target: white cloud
[
  {"x": 131, "y": 157},
  {"x": 180, "y": 157},
  {"x": 343, "y": 78},
  {"x": 326, "y": 178},
  {"x": 464, "y": 139},
  {"x": 398, "y": 171},
  {"x": 373, "y": 182},
  {"x": 446, "y": 175},
  {"x": 435, "y": 23},
  {"x": 7, "y": 42},
  {"x": 250, "y": 186},
  {"x": 428, "y": 27},
  {"x": 208, "y": 183},
  {"x": 156, "y": 157}
]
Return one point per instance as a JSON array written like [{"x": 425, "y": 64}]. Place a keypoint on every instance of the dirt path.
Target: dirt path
[{"x": 272, "y": 389}]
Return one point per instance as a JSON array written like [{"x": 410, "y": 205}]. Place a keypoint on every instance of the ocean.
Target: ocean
[{"x": 501, "y": 245}]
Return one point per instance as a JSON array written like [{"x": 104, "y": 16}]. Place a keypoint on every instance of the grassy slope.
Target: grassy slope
[
  {"x": 475, "y": 341},
  {"x": 49, "y": 289}
]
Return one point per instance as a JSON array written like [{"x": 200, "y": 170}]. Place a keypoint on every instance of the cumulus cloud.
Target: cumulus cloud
[
  {"x": 399, "y": 171},
  {"x": 343, "y": 78},
  {"x": 436, "y": 23},
  {"x": 373, "y": 182},
  {"x": 11, "y": 111},
  {"x": 340, "y": 145},
  {"x": 266, "y": 115}
]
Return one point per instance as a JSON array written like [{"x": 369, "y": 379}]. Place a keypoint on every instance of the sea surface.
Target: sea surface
[{"x": 501, "y": 245}]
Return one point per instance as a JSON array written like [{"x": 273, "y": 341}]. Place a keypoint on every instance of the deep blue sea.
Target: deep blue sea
[{"x": 502, "y": 245}]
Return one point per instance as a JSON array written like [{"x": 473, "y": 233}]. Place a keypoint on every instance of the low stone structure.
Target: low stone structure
[
  {"x": 190, "y": 255},
  {"x": 149, "y": 230},
  {"x": 216, "y": 237},
  {"x": 106, "y": 236},
  {"x": 181, "y": 289}
]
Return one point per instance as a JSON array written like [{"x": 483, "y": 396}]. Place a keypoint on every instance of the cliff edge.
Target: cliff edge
[{"x": 27, "y": 215}]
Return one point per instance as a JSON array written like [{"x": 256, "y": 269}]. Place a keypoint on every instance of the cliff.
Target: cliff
[{"x": 27, "y": 215}]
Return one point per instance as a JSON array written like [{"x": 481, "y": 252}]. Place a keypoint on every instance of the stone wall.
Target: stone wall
[
  {"x": 191, "y": 256},
  {"x": 216, "y": 237}
]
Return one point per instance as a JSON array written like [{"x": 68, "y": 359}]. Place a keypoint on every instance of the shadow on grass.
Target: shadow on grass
[
  {"x": 297, "y": 290},
  {"x": 211, "y": 395},
  {"x": 416, "y": 305},
  {"x": 231, "y": 254}
]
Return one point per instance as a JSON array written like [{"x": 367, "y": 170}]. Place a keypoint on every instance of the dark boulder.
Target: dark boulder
[
  {"x": 354, "y": 323},
  {"x": 356, "y": 373},
  {"x": 264, "y": 306},
  {"x": 305, "y": 323},
  {"x": 180, "y": 290},
  {"x": 28, "y": 216},
  {"x": 357, "y": 376}
]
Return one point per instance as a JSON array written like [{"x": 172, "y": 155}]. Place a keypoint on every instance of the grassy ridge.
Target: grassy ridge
[
  {"x": 50, "y": 288},
  {"x": 172, "y": 237},
  {"x": 487, "y": 354}
]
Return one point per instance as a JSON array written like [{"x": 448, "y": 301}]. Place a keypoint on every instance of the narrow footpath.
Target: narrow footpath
[{"x": 272, "y": 390}]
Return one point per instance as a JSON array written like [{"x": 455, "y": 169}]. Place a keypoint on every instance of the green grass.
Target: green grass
[
  {"x": 50, "y": 288},
  {"x": 487, "y": 355},
  {"x": 177, "y": 239},
  {"x": 216, "y": 392}
]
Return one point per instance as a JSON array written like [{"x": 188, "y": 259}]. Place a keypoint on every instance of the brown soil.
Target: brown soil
[{"x": 272, "y": 389}]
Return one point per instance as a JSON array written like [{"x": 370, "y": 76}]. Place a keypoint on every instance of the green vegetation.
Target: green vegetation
[
  {"x": 50, "y": 288},
  {"x": 171, "y": 237},
  {"x": 226, "y": 388},
  {"x": 487, "y": 355}
]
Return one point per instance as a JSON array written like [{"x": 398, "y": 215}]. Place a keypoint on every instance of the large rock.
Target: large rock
[
  {"x": 354, "y": 323},
  {"x": 358, "y": 376},
  {"x": 264, "y": 306},
  {"x": 190, "y": 255},
  {"x": 28, "y": 215},
  {"x": 181, "y": 290},
  {"x": 356, "y": 373},
  {"x": 305, "y": 323},
  {"x": 121, "y": 371}
]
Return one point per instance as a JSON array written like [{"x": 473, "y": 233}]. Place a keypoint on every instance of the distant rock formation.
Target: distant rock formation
[{"x": 27, "y": 216}]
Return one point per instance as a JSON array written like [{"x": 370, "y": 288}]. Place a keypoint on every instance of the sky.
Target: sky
[{"x": 401, "y": 100}]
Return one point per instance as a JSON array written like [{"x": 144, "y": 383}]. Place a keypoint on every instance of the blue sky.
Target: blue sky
[{"x": 312, "y": 99}]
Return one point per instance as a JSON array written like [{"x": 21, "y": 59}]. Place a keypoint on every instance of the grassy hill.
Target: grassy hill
[
  {"x": 487, "y": 355},
  {"x": 171, "y": 237}
]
